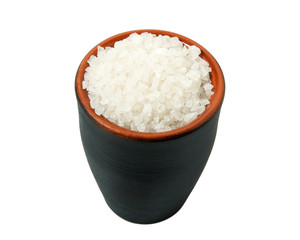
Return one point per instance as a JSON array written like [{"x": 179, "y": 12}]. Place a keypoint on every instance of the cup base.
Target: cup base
[{"x": 145, "y": 219}]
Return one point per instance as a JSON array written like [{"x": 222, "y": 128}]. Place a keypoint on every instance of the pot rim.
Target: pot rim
[{"x": 216, "y": 99}]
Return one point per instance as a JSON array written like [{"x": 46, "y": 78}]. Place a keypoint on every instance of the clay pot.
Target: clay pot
[{"x": 147, "y": 177}]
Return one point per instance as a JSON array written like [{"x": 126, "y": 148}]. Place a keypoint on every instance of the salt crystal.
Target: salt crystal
[{"x": 190, "y": 117}]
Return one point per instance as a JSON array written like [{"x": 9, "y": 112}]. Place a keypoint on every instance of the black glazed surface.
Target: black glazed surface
[{"x": 146, "y": 181}]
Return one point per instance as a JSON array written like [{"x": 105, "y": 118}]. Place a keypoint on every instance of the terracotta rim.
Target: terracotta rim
[{"x": 216, "y": 99}]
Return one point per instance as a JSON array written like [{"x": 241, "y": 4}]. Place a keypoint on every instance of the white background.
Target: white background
[{"x": 250, "y": 188}]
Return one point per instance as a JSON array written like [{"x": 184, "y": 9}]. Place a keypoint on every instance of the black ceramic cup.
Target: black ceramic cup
[{"x": 147, "y": 177}]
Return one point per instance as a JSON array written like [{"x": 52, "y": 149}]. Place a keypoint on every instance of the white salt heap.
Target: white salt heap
[{"x": 148, "y": 83}]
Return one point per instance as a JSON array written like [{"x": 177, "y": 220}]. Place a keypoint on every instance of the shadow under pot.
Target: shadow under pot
[{"x": 147, "y": 177}]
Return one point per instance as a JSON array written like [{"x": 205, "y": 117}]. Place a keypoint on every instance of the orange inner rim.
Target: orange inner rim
[{"x": 216, "y": 99}]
